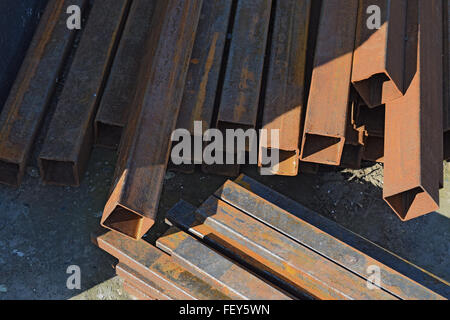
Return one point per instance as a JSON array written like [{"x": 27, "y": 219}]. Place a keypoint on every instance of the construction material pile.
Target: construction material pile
[
  {"x": 339, "y": 89},
  {"x": 248, "y": 242}
]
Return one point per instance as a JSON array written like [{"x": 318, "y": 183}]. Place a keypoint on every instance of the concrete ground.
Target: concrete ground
[{"x": 45, "y": 229}]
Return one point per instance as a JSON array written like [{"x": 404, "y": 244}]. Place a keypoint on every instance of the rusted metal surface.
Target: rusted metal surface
[
  {"x": 379, "y": 55},
  {"x": 69, "y": 140},
  {"x": 117, "y": 99},
  {"x": 326, "y": 115},
  {"x": 284, "y": 96},
  {"x": 144, "y": 152},
  {"x": 243, "y": 77},
  {"x": 27, "y": 103},
  {"x": 372, "y": 119},
  {"x": 446, "y": 63},
  {"x": 413, "y": 142},
  {"x": 215, "y": 269},
  {"x": 139, "y": 282},
  {"x": 374, "y": 149},
  {"x": 134, "y": 292},
  {"x": 258, "y": 244},
  {"x": 203, "y": 75},
  {"x": 354, "y": 138},
  {"x": 344, "y": 235},
  {"x": 325, "y": 244},
  {"x": 158, "y": 267}
]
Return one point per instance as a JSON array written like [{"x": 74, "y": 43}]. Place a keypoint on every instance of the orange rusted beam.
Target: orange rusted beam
[
  {"x": 33, "y": 88},
  {"x": 326, "y": 115},
  {"x": 144, "y": 153},
  {"x": 256, "y": 244},
  {"x": 284, "y": 96},
  {"x": 413, "y": 142},
  {"x": 378, "y": 60}
]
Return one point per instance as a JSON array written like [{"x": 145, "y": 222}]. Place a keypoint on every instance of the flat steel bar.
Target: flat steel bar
[
  {"x": 69, "y": 139},
  {"x": 378, "y": 60},
  {"x": 305, "y": 268},
  {"x": 144, "y": 285},
  {"x": 215, "y": 269},
  {"x": 446, "y": 62},
  {"x": 414, "y": 143},
  {"x": 328, "y": 246},
  {"x": 285, "y": 88},
  {"x": 116, "y": 104},
  {"x": 344, "y": 235},
  {"x": 243, "y": 77},
  {"x": 144, "y": 152},
  {"x": 30, "y": 95},
  {"x": 326, "y": 116},
  {"x": 158, "y": 267},
  {"x": 374, "y": 149}
]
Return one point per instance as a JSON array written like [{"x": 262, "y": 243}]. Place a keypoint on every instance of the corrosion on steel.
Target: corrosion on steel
[
  {"x": 144, "y": 152},
  {"x": 215, "y": 269},
  {"x": 144, "y": 285},
  {"x": 69, "y": 140},
  {"x": 413, "y": 144},
  {"x": 274, "y": 253},
  {"x": 157, "y": 267},
  {"x": 117, "y": 99},
  {"x": 379, "y": 54},
  {"x": 326, "y": 115},
  {"x": 28, "y": 100},
  {"x": 320, "y": 241}
]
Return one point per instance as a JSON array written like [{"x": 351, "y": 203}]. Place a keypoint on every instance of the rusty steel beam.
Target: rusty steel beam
[
  {"x": 378, "y": 60},
  {"x": 136, "y": 293},
  {"x": 326, "y": 115},
  {"x": 144, "y": 152},
  {"x": 414, "y": 143},
  {"x": 69, "y": 139},
  {"x": 215, "y": 269},
  {"x": 141, "y": 283},
  {"x": 239, "y": 100},
  {"x": 259, "y": 244},
  {"x": 117, "y": 99},
  {"x": 314, "y": 238},
  {"x": 30, "y": 95},
  {"x": 354, "y": 138},
  {"x": 423, "y": 277},
  {"x": 156, "y": 266},
  {"x": 284, "y": 96},
  {"x": 374, "y": 149}
]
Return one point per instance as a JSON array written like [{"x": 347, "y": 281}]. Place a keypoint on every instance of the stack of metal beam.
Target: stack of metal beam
[
  {"x": 248, "y": 242},
  {"x": 338, "y": 91}
]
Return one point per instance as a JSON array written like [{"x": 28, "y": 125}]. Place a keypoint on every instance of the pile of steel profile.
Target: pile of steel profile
[
  {"x": 248, "y": 242},
  {"x": 339, "y": 89}
]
